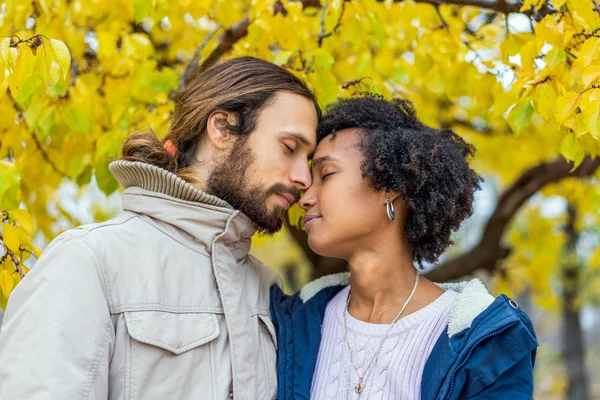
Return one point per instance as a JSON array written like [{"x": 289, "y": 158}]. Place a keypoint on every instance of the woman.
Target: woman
[{"x": 387, "y": 192}]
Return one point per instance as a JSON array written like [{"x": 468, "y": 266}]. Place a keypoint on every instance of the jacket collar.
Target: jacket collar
[
  {"x": 472, "y": 299},
  {"x": 183, "y": 211},
  {"x": 155, "y": 179}
]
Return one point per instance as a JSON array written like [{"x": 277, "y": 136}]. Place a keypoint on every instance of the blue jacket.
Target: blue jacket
[{"x": 487, "y": 351}]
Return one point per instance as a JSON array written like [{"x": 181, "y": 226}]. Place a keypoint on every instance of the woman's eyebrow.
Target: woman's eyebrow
[{"x": 316, "y": 162}]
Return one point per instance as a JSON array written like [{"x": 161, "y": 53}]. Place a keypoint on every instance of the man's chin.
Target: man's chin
[{"x": 270, "y": 228}]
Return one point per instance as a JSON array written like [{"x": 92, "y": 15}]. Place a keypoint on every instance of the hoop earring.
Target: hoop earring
[{"x": 391, "y": 213}]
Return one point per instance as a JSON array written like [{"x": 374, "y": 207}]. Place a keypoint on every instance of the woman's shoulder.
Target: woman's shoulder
[{"x": 475, "y": 309}]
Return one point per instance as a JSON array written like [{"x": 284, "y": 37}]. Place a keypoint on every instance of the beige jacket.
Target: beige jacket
[{"x": 161, "y": 302}]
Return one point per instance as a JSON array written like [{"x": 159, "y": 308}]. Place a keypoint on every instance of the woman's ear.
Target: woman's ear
[
  {"x": 216, "y": 129},
  {"x": 393, "y": 196}
]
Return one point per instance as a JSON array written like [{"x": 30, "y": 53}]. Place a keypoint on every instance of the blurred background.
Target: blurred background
[{"x": 519, "y": 80}]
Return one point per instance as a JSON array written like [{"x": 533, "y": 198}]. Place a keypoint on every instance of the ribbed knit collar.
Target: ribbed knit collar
[{"x": 155, "y": 179}]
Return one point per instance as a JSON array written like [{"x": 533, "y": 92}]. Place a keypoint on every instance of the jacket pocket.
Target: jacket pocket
[
  {"x": 268, "y": 342},
  {"x": 170, "y": 355}
]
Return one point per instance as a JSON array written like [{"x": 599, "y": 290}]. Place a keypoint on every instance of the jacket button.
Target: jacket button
[
  {"x": 231, "y": 395},
  {"x": 513, "y": 304}
]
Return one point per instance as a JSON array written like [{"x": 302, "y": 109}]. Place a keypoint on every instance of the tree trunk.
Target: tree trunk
[{"x": 573, "y": 341}]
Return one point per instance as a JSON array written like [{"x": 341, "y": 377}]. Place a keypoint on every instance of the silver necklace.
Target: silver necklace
[{"x": 360, "y": 386}]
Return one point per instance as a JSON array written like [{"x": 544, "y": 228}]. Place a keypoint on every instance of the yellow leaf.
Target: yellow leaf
[
  {"x": 570, "y": 147},
  {"x": 24, "y": 239},
  {"x": 4, "y": 49},
  {"x": 37, "y": 252},
  {"x": 62, "y": 56},
  {"x": 46, "y": 69},
  {"x": 592, "y": 123},
  {"x": 589, "y": 50},
  {"x": 590, "y": 74},
  {"x": 565, "y": 105},
  {"x": 296, "y": 216},
  {"x": 4, "y": 80},
  {"x": 22, "y": 83},
  {"x": 6, "y": 282},
  {"x": 10, "y": 236},
  {"x": 22, "y": 218},
  {"x": 545, "y": 101}
]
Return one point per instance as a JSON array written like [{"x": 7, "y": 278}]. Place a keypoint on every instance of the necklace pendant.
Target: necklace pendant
[{"x": 358, "y": 388}]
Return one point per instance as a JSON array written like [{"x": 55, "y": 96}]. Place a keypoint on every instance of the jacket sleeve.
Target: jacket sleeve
[
  {"x": 515, "y": 383},
  {"x": 57, "y": 333}
]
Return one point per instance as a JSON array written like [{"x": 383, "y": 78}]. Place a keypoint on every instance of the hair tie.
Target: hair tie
[{"x": 170, "y": 147}]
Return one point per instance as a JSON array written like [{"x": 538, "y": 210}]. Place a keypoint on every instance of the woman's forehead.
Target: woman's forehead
[{"x": 344, "y": 141}]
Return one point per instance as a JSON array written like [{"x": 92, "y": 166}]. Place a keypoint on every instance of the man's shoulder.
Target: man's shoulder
[{"x": 264, "y": 274}]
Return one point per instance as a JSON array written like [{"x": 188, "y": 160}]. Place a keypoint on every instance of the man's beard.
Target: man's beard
[{"x": 228, "y": 181}]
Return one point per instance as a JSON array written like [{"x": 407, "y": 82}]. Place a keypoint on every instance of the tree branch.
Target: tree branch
[
  {"x": 501, "y": 6},
  {"x": 490, "y": 249},
  {"x": 322, "y": 34},
  {"x": 191, "y": 69},
  {"x": 45, "y": 155},
  {"x": 15, "y": 261},
  {"x": 479, "y": 128},
  {"x": 226, "y": 42}
]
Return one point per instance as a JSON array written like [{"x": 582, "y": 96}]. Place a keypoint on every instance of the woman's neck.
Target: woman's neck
[{"x": 381, "y": 281}]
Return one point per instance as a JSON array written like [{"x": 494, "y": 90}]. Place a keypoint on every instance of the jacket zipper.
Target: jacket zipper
[{"x": 489, "y": 335}]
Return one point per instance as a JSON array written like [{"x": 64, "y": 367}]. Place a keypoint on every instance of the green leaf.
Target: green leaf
[
  {"x": 570, "y": 147},
  {"x": 85, "y": 177},
  {"x": 519, "y": 117},
  {"x": 105, "y": 180},
  {"x": 35, "y": 109},
  {"x": 23, "y": 84},
  {"x": 78, "y": 163},
  {"x": 283, "y": 57},
  {"x": 47, "y": 125},
  {"x": 80, "y": 118},
  {"x": 323, "y": 59},
  {"x": 165, "y": 80},
  {"x": 9, "y": 186},
  {"x": 142, "y": 8}
]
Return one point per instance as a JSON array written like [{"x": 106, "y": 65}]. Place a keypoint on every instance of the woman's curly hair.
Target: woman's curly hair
[{"x": 427, "y": 166}]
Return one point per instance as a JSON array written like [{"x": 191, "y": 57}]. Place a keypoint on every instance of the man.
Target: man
[{"x": 163, "y": 301}]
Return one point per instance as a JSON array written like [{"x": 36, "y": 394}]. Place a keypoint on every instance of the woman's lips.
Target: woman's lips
[{"x": 309, "y": 219}]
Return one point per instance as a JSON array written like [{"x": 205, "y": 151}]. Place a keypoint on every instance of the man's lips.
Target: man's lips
[
  {"x": 287, "y": 198},
  {"x": 310, "y": 218}
]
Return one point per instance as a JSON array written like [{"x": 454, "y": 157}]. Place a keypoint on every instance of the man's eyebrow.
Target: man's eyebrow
[
  {"x": 303, "y": 139},
  {"x": 321, "y": 160}
]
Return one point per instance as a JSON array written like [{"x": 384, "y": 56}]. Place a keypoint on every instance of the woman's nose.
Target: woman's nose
[{"x": 308, "y": 199}]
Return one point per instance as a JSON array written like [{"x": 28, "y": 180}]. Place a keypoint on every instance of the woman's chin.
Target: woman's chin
[{"x": 319, "y": 247}]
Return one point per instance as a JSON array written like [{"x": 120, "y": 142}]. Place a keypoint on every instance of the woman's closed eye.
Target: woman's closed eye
[{"x": 326, "y": 175}]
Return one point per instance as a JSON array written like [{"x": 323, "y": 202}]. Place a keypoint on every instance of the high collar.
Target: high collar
[
  {"x": 155, "y": 179},
  {"x": 182, "y": 211}
]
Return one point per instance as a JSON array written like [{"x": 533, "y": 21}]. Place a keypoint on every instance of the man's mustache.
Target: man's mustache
[{"x": 281, "y": 188}]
